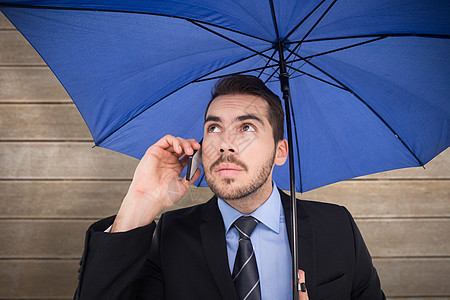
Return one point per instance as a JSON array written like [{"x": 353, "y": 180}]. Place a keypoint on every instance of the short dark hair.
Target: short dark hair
[{"x": 252, "y": 85}]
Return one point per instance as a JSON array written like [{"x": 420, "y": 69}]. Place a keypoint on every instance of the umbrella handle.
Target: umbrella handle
[
  {"x": 284, "y": 82},
  {"x": 293, "y": 201}
]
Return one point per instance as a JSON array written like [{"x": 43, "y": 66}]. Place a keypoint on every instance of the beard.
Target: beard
[{"x": 226, "y": 189}]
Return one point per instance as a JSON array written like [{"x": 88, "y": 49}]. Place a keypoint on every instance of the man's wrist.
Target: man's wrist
[{"x": 136, "y": 212}]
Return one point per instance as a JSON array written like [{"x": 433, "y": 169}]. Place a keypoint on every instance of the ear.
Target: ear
[{"x": 281, "y": 152}]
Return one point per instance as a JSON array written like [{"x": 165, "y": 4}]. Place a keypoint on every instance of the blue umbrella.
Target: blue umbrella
[{"x": 366, "y": 84}]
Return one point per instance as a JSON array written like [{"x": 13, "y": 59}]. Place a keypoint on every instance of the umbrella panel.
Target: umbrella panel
[{"x": 397, "y": 84}]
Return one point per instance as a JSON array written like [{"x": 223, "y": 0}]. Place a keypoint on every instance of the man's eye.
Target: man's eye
[
  {"x": 213, "y": 128},
  {"x": 248, "y": 127}
]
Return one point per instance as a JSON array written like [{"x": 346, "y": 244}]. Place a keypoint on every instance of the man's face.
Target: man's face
[{"x": 238, "y": 150}]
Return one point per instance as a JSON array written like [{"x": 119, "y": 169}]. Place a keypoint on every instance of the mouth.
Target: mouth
[{"x": 227, "y": 169}]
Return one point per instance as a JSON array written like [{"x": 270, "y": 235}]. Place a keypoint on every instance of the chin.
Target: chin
[{"x": 229, "y": 188}]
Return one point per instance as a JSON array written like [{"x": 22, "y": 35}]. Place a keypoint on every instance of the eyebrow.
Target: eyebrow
[
  {"x": 212, "y": 119},
  {"x": 249, "y": 117},
  {"x": 238, "y": 119}
]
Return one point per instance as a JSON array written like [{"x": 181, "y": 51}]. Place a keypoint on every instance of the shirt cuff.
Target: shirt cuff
[{"x": 108, "y": 230}]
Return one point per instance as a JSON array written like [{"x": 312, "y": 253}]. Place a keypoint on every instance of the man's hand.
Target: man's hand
[
  {"x": 302, "y": 295},
  {"x": 156, "y": 182}
]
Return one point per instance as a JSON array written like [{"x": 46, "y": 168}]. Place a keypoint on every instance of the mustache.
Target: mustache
[{"x": 230, "y": 159}]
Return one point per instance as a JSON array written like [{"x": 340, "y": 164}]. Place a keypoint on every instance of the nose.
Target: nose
[
  {"x": 228, "y": 145},
  {"x": 226, "y": 149}
]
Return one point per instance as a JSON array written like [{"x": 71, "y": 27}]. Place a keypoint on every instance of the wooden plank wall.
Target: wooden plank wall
[{"x": 53, "y": 185}]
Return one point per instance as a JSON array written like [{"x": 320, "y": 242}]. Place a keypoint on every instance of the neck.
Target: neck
[{"x": 248, "y": 204}]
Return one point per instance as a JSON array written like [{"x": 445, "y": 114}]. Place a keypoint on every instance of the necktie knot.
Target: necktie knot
[{"x": 245, "y": 226}]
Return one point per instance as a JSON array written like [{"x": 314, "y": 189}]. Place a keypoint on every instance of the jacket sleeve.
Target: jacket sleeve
[
  {"x": 112, "y": 262},
  {"x": 366, "y": 284}
]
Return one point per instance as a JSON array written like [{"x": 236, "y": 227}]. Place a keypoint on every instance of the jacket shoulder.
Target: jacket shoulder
[
  {"x": 189, "y": 214},
  {"x": 318, "y": 207},
  {"x": 326, "y": 213},
  {"x": 308, "y": 208}
]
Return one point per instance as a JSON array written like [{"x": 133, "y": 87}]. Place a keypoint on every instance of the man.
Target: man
[{"x": 206, "y": 251}]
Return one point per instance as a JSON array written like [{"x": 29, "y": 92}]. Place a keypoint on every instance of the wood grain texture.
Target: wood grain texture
[
  {"x": 36, "y": 84},
  {"x": 63, "y": 161},
  {"x": 77, "y": 160},
  {"x": 64, "y": 238},
  {"x": 406, "y": 237},
  {"x": 97, "y": 199},
  {"x": 15, "y": 50},
  {"x": 42, "y": 122},
  {"x": 414, "y": 277},
  {"x": 439, "y": 167},
  {"x": 408, "y": 278},
  {"x": 387, "y": 198},
  {"x": 64, "y": 122},
  {"x": 40, "y": 279},
  {"x": 53, "y": 188},
  {"x": 4, "y": 22},
  {"x": 61, "y": 199},
  {"x": 42, "y": 238}
]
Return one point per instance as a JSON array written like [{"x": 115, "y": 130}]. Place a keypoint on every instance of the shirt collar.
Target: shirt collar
[{"x": 268, "y": 213}]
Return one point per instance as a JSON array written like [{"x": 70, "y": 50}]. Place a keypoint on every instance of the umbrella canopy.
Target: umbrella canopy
[{"x": 369, "y": 79}]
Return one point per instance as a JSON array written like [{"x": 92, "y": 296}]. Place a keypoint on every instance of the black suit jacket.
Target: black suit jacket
[{"x": 187, "y": 257}]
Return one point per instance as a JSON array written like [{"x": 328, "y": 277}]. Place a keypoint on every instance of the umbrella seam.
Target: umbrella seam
[
  {"x": 311, "y": 29},
  {"x": 370, "y": 108},
  {"x": 274, "y": 20},
  {"x": 375, "y": 35},
  {"x": 230, "y": 39},
  {"x": 267, "y": 64},
  {"x": 130, "y": 12},
  {"x": 317, "y": 22},
  {"x": 192, "y": 81},
  {"x": 302, "y": 21},
  {"x": 338, "y": 49}
]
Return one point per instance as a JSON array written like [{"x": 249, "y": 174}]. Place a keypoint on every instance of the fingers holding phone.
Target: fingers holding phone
[
  {"x": 302, "y": 292},
  {"x": 194, "y": 162},
  {"x": 156, "y": 182}
]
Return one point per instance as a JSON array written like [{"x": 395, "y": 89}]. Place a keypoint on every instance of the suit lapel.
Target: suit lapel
[
  {"x": 215, "y": 249},
  {"x": 306, "y": 254}
]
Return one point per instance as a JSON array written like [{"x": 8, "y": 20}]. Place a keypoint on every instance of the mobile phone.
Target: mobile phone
[{"x": 193, "y": 163}]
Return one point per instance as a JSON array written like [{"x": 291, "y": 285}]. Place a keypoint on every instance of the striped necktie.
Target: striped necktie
[{"x": 245, "y": 272}]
